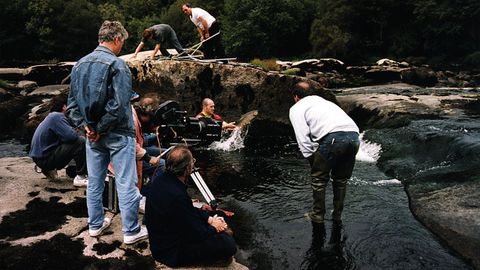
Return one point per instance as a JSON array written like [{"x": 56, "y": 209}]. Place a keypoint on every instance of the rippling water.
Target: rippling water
[
  {"x": 270, "y": 196},
  {"x": 270, "y": 193}
]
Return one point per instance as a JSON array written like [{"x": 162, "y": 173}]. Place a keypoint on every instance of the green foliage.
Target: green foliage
[
  {"x": 473, "y": 59},
  {"x": 266, "y": 64},
  {"x": 355, "y": 31},
  {"x": 262, "y": 28}
]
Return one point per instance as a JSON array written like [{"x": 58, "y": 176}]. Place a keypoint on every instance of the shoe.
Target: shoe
[
  {"x": 141, "y": 205},
  {"x": 51, "y": 175},
  {"x": 132, "y": 239},
  {"x": 98, "y": 232},
  {"x": 80, "y": 181}
]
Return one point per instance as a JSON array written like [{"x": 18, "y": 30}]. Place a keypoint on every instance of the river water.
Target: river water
[{"x": 269, "y": 191}]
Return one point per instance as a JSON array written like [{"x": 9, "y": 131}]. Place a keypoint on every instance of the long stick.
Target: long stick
[
  {"x": 197, "y": 46},
  {"x": 202, "y": 186}
]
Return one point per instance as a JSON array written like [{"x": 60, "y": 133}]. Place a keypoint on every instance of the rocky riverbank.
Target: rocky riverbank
[{"x": 386, "y": 95}]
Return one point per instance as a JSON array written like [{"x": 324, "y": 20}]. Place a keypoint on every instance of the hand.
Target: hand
[
  {"x": 206, "y": 35},
  {"x": 92, "y": 135},
  {"x": 229, "y": 126},
  {"x": 154, "y": 161},
  {"x": 218, "y": 223}
]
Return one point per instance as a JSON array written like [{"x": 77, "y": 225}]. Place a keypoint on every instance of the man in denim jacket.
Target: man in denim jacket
[
  {"x": 99, "y": 103},
  {"x": 328, "y": 138}
]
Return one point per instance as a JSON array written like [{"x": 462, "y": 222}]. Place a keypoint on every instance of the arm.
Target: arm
[
  {"x": 302, "y": 133},
  {"x": 205, "y": 27},
  {"x": 64, "y": 131},
  {"x": 138, "y": 49},
  {"x": 118, "y": 93},
  {"x": 155, "y": 50},
  {"x": 200, "y": 32},
  {"x": 228, "y": 126}
]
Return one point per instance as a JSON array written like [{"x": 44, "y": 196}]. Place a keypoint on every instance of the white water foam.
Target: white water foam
[
  {"x": 368, "y": 151},
  {"x": 230, "y": 142}
]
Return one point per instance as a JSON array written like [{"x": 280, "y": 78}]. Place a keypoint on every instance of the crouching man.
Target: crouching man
[
  {"x": 55, "y": 143},
  {"x": 179, "y": 233}
]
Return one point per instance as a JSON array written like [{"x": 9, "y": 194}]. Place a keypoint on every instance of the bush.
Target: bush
[
  {"x": 266, "y": 64},
  {"x": 473, "y": 59}
]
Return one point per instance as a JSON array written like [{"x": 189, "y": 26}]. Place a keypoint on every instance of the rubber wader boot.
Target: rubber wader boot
[
  {"x": 318, "y": 211},
  {"x": 339, "y": 191}
]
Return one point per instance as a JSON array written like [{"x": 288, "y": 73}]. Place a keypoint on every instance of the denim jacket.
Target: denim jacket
[{"x": 100, "y": 89}]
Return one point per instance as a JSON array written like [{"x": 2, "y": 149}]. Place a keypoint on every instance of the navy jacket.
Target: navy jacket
[
  {"x": 171, "y": 218},
  {"x": 51, "y": 132}
]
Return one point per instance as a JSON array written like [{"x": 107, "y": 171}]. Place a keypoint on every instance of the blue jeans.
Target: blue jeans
[{"x": 120, "y": 150}]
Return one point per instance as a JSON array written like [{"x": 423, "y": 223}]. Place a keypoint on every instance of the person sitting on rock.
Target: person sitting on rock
[
  {"x": 164, "y": 36},
  {"x": 208, "y": 111},
  {"x": 55, "y": 143},
  {"x": 179, "y": 233}
]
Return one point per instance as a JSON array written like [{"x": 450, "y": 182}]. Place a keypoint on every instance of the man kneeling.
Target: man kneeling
[{"x": 179, "y": 233}]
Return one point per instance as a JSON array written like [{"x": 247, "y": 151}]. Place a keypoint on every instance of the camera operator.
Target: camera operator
[
  {"x": 208, "y": 112},
  {"x": 179, "y": 233}
]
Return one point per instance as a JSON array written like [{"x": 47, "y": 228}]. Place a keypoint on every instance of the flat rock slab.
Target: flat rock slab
[{"x": 44, "y": 223}]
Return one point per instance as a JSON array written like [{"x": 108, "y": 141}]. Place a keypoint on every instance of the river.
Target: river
[{"x": 269, "y": 191}]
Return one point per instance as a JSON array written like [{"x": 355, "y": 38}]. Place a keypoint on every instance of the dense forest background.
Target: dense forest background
[{"x": 355, "y": 31}]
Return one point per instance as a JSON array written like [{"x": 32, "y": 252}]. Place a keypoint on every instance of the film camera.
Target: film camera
[{"x": 175, "y": 126}]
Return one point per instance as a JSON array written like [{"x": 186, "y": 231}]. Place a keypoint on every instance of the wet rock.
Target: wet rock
[
  {"x": 421, "y": 76},
  {"x": 50, "y": 90},
  {"x": 236, "y": 89}
]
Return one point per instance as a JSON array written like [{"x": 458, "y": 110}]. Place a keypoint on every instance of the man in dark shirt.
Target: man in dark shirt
[
  {"x": 208, "y": 112},
  {"x": 164, "y": 36},
  {"x": 179, "y": 233},
  {"x": 55, "y": 143}
]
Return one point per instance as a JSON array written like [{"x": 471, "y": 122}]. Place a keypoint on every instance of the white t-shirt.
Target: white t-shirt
[
  {"x": 313, "y": 117},
  {"x": 197, "y": 13}
]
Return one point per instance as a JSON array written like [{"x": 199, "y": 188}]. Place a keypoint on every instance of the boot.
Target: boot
[
  {"x": 318, "y": 211},
  {"x": 339, "y": 191}
]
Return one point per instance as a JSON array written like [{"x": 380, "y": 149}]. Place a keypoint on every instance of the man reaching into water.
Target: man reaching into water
[{"x": 328, "y": 138}]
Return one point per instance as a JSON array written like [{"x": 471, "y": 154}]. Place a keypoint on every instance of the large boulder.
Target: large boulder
[{"x": 236, "y": 89}]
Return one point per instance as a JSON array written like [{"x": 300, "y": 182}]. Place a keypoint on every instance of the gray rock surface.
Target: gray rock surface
[{"x": 20, "y": 184}]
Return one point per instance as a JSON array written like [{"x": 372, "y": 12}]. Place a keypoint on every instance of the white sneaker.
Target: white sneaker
[
  {"x": 80, "y": 181},
  {"x": 141, "y": 205},
  {"x": 98, "y": 232},
  {"x": 132, "y": 239}
]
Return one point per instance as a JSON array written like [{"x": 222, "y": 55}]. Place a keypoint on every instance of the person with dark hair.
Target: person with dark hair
[
  {"x": 208, "y": 112},
  {"x": 179, "y": 233},
  {"x": 328, "y": 138},
  {"x": 99, "y": 102},
  {"x": 207, "y": 26},
  {"x": 164, "y": 36},
  {"x": 55, "y": 143}
]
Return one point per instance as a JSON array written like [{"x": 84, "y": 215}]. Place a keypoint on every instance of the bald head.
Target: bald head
[
  {"x": 179, "y": 161},
  {"x": 208, "y": 106},
  {"x": 302, "y": 89}
]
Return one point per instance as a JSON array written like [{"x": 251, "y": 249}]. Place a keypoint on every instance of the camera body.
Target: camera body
[{"x": 175, "y": 126}]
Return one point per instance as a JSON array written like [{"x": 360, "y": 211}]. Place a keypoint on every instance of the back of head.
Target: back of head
[
  {"x": 57, "y": 102},
  {"x": 147, "y": 33},
  {"x": 302, "y": 89},
  {"x": 179, "y": 161},
  {"x": 110, "y": 30}
]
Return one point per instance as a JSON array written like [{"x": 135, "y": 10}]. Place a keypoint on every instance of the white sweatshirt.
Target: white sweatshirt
[
  {"x": 197, "y": 13},
  {"x": 313, "y": 117}
]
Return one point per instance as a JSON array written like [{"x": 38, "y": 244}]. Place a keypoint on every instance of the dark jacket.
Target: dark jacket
[
  {"x": 100, "y": 91},
  {"x": 171, "y": 218},
  {"x": 51, "y": 132}
]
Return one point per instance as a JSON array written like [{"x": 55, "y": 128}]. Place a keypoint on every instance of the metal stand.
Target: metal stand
[{"x": 202, "y": 186}]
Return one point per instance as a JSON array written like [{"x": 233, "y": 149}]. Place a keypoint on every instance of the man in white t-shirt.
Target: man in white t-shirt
[
  {"x": 328, "y": 138},
  {"x": 207, "y": 26}
]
